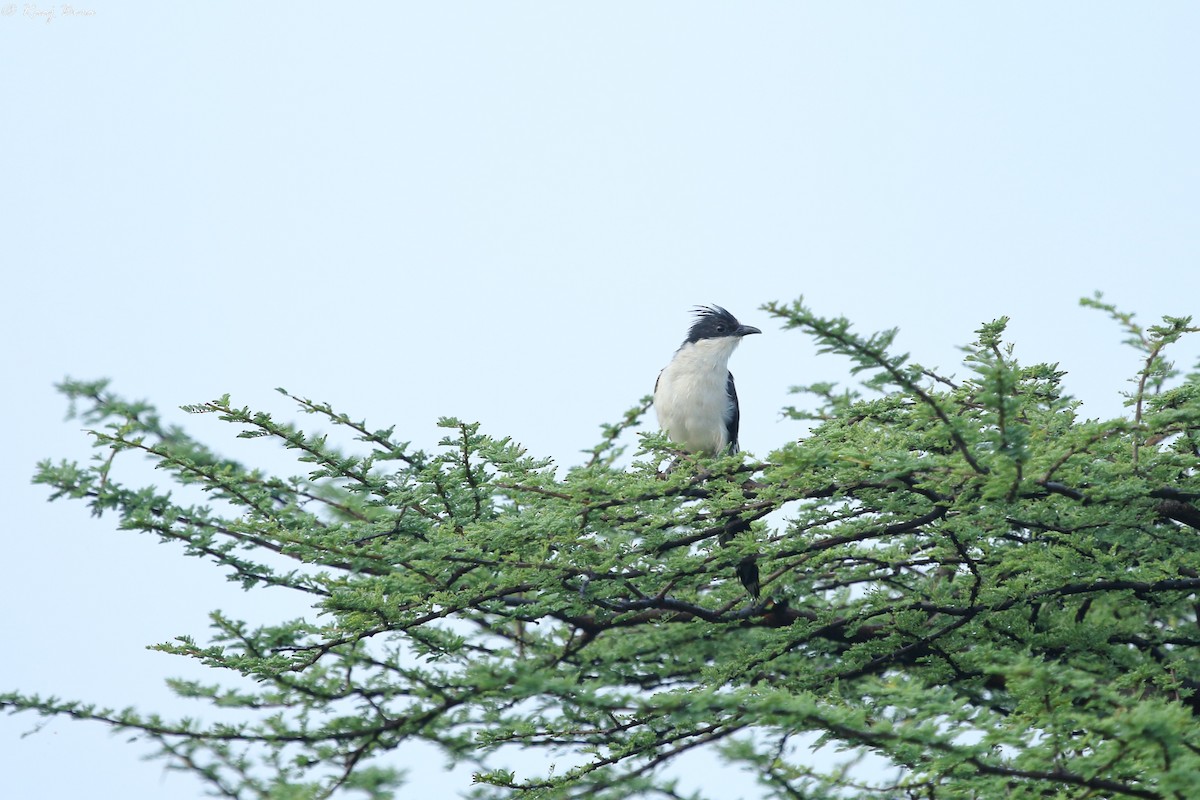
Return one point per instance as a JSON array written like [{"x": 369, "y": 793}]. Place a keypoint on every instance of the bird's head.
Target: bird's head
[{"x": 714, "y": 322}]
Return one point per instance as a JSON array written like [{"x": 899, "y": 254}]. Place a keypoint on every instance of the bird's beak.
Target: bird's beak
[{"x": 746, "y": 330}]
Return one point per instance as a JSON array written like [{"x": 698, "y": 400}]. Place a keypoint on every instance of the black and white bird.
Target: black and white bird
[
  {"x": 694, "y": 397},
  {"x": 696, "y": 401}
]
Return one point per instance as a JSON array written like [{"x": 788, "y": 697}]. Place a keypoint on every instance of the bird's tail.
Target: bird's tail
[
  {"x": 747, "y": 572},
  {"x": 747, "y": 568}
]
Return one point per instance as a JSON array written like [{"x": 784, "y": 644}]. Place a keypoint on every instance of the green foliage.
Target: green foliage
[{"x": 963, "y": 581}]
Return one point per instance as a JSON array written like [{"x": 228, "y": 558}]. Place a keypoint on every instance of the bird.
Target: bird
[{"x": 696, "y": 400}]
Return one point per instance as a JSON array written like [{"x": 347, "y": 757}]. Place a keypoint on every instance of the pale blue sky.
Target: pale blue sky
[{"x": 504, "y": 211}]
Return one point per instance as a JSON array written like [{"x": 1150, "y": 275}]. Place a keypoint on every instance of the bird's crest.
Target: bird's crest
[{"x": 712, "y": 322}]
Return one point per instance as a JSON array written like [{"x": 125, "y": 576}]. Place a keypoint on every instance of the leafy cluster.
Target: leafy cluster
[{"x": 963, "y": 583}]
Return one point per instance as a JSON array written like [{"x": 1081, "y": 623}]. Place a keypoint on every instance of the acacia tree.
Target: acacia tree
[{"x": 986, "y": 594}]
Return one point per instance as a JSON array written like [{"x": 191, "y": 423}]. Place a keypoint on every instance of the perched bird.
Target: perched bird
[{"x": 697, "y": 403}]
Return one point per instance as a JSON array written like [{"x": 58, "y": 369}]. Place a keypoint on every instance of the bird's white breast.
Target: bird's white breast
[{"x": 691, "y": 398}]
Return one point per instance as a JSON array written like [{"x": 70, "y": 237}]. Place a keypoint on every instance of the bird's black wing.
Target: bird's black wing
[
  {"x": 735, "y": 415},
  {"x": 747, "y": 568}
]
